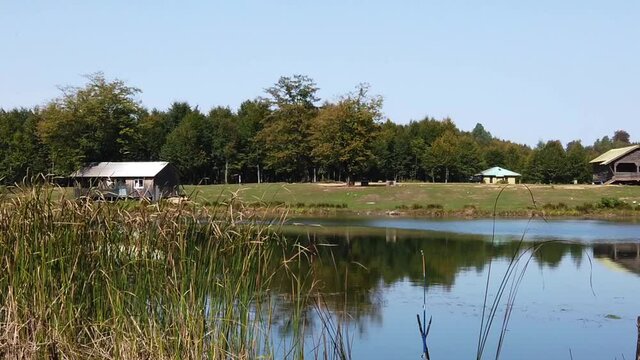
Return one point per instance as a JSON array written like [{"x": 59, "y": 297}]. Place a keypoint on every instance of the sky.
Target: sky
[{"x": 528, "y": 71}]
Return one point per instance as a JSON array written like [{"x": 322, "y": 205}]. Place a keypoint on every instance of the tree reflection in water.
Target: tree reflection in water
[{"x": 352, "y": 267}]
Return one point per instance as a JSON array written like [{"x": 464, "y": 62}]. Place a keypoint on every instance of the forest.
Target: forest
[{"x": 289, "y": 134}]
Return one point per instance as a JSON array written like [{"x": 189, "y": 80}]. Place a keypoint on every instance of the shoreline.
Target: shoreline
[{"x": 608, "y": 214}]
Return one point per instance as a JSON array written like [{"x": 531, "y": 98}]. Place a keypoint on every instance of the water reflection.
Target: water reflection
[
  {"x": 352, "y": 267},
  {"x": 623, "y": 256},
  {"x": 370, "y": 278}
]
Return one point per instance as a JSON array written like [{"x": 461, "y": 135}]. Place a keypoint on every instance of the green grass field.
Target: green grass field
[{"x": 451, "y": 197}]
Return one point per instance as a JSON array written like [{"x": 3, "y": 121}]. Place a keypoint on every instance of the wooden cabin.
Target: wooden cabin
[
  {"x": 127, "y": 180},
  {"x": 617, "y": 166},
  {"x": 497, "y": 175}
]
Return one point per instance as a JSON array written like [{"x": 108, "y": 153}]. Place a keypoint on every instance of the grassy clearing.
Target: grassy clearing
[
  {"x": 470, "y": 199},
  {"x": 97, "y": 280}
]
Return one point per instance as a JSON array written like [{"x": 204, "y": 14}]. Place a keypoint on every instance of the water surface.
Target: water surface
[{"x": 579, "y": 293}]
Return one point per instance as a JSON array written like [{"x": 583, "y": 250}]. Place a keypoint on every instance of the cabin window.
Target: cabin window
[
  {"x": 138, "y": 184},
  {"x": 626, "y": 167}
]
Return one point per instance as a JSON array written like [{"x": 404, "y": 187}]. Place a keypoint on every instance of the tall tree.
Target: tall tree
[
  {"x": 621, "y": 137},
  {"x": 548, "y": 164},
  {"x": 93, "y": 123},
  {"x": 225, "y": 141},
  {"x": 286, "y": 130},
  {"x": 442, "y": 155},
  {"x": 482, "y": 136},
  {"x": 22, "y": 154},
  {"x": 251, "y": 116},
  {"x": 578, "y": 163},
  {"x": 189, "y": 148},
  {"x": 342, "y": 134}
]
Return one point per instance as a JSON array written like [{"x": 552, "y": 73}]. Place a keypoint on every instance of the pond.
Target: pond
[{"x": 578, "y": 296}]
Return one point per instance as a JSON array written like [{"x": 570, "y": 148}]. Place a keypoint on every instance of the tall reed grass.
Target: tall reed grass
[{"x": 85, "y": 279}]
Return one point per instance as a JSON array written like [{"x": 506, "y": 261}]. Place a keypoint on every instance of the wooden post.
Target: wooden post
[{"x": 638, "y": 343}]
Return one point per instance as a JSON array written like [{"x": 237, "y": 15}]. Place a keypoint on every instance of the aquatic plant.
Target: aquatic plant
[{"x": 92, "y": 279}]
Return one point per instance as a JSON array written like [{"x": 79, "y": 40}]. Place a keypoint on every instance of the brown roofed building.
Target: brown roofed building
[{"x": 618, "y": 166}]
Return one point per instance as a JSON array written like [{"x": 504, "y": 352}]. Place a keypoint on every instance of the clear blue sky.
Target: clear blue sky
[{"x": 537, "y": 71}]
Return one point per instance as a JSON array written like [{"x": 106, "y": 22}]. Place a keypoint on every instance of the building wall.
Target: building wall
[
  {"x": 495, "y": 180},
  {"x": 631, "y": 158}
]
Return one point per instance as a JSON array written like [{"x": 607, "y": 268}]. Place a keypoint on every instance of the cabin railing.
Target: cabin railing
[{"x": 619, "y": 175}]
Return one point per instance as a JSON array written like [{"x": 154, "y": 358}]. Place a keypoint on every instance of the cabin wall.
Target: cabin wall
[
  {"x": 602, "y": 173},
  {"x": 167, "y": 183},
  {"x": 631, "y": 158},
  {"x": 146, "y": 192}
]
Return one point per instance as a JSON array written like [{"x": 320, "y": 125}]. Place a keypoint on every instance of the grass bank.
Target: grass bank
[
  {"x": 458, "y": 200},
  {"x": 81, "y": 279}
]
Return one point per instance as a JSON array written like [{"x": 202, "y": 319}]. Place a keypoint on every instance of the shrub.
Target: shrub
[
  {"x": 434, "y": 206},
  {"x": 612, "y": 203},
  {"x": 585, "y": 207},
  {"x": 558, "y": 206}
]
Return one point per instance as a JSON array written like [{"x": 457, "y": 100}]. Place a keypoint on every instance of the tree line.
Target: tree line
[{"x": 290, "y": 134}]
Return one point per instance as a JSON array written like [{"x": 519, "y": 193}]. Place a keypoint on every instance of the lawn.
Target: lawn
[{"x": 450, "y": 196}]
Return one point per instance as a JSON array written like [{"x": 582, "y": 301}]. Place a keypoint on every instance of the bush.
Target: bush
[
  {"x": 558, "y": 206},
  {"x": 612, "y": 203},
  {"x": 585, "y": 207}
]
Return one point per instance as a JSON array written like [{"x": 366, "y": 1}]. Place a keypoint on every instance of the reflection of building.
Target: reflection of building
[{"x": 626, "y": 256}]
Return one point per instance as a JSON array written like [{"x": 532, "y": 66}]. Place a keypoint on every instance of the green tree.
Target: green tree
[
  {"x": 621, "y": 137},
  {"x": 342, "y": 133},
  {"x": 578, "y": 167},
  {"x": 251, "y": 116},
  {"x": 225, "y": 141},
  {"x": 22, "y": 154},
  {"x": 189, "y": 148},
  {"x": 287, "y": 129},
  {"x": 548, "y": 164},
  {"x": 442, "y": 156},
  {"x": 482, "y": 136},
  {"x": 89, "y": 124}
]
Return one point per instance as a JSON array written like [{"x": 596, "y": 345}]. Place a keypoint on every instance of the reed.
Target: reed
[{"x": 85, "y": 279}]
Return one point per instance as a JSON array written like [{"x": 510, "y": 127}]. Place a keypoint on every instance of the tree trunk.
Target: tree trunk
[
  {"x": 314, "y": 175},
  {"x": 446, "y": 175},
  {"x": 258, "y": 166},
  {"x": 226, "y": 172}
]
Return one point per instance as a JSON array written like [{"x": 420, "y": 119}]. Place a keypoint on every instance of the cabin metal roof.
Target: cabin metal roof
[
  {"x": 497, "y": 171},
  {"x": 121, "y": 169},
  {"x": 613, "y": 155}
]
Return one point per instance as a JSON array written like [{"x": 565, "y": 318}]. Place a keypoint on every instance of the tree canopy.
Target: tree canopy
[{"x": 288, "y": 135}]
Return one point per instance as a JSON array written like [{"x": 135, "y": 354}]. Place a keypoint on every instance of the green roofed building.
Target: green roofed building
[
  {"x": 617, "y": 166},
  {"x": 497, "y": 174}
]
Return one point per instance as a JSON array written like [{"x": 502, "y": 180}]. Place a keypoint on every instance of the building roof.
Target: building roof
[
  {"x": 497, "y": 171},
  {"x": 121, "y": 169},
  {"x": 613, "y": 154}
]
